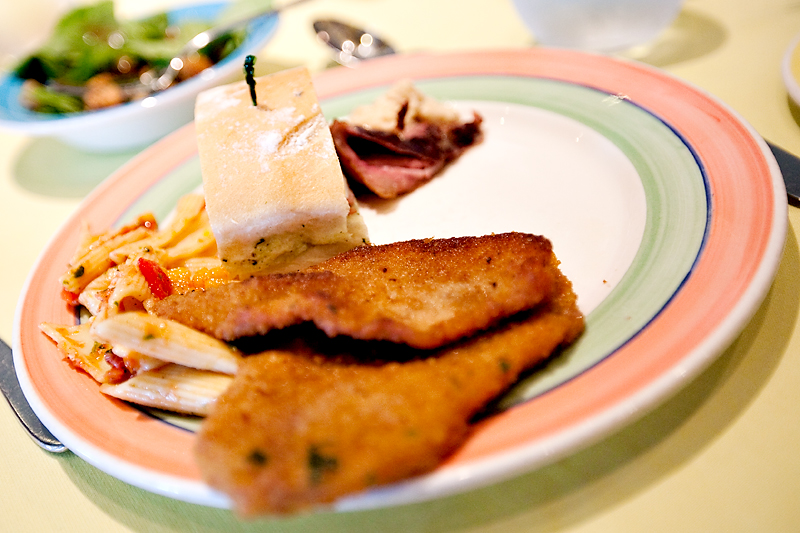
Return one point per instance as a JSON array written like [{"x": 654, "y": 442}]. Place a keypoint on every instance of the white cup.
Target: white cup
[{"x": 597, "y": 25}]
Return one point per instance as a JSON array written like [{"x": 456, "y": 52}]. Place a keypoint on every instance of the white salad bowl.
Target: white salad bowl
[{"x": 139, "y": 123}]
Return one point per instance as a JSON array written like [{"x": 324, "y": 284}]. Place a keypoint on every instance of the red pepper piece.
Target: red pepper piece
[
  {"x": 70, "y": 297},
  {"x": 156, "y": 278}
]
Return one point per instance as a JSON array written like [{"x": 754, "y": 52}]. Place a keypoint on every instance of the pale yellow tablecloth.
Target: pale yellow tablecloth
[{"x": 722, "y": 455}]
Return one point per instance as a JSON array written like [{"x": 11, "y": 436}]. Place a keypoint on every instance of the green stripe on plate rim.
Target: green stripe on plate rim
[{"x": 674, "y": 186}]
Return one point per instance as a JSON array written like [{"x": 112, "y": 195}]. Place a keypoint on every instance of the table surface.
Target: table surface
[{"x": 721, "y": 455}]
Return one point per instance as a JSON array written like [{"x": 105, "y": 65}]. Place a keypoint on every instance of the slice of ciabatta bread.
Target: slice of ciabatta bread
[{"x": 275, "y": 193}]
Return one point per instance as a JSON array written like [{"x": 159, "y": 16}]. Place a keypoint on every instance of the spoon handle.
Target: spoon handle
[{"x": 16, "y": 399}]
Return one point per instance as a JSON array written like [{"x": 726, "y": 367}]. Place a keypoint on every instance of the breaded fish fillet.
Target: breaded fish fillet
[
  {"x": 424, "y": 293},
  {"x": 296, "y": 429}
]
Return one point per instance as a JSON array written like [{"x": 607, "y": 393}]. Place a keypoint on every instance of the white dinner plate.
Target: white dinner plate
[{"x": 666, "y": 210}]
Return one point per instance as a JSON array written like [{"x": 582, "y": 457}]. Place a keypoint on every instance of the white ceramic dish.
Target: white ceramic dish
[
  {"x": 667, "y": 211},
  {"x": 135, "y": 124}
]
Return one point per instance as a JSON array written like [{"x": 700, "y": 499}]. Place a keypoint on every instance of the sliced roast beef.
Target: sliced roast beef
[{"x": 392, "y": 163}]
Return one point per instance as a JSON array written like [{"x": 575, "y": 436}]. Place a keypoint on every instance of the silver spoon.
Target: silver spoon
[
  {"x": 350, "y": 43},
  {"x": 9, "y": 384}
]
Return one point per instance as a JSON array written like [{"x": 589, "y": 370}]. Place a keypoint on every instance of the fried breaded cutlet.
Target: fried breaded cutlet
[
  {"x": 301, "y": 427},
  {"x": 424, "y": 293}
]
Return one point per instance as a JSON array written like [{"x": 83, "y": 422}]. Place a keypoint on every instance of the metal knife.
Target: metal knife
[
  {"x": 790, "y": 168},
  {"x": 9, "y": 384}
]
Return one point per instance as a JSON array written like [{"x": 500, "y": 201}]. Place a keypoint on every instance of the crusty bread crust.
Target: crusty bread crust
[{"x": 273, "y": 184}]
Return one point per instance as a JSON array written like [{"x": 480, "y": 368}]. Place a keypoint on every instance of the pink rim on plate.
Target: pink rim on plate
[{"x": 742, "y": 247}]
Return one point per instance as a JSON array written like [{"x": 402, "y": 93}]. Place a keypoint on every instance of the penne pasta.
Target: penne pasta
[
  {"x": 95, "y": 296},
  {"x": 173, "y": 388},
  {"x": 189, "y": 215},
  {"x": 135, "y": 356},
  {"x": 85, "y": 241},
  {"x": 128, "y": 289},
  {"x": 96, "y": 261},
  {"x": 198, "y": 242},
  {"x": 137, "y": 362},
  {"x": 140, "y": 247},
  {"x": 167, "y": 340},
  {"x": 83, "y": 351}
]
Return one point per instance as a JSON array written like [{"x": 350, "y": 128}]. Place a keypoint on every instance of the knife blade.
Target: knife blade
[
  {"x": 790, "y": 168},
  {"x": 9, "y": 384}
]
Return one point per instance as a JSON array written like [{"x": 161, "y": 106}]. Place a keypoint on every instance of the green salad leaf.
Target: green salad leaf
[
  {"x": 78, "y": 47},
  {"x": 48, "y": 101},
  {"x": 89, "y": 40}
]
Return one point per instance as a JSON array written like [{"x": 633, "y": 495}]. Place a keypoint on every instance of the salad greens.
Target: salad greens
[{"x": 90, "y": 41}]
